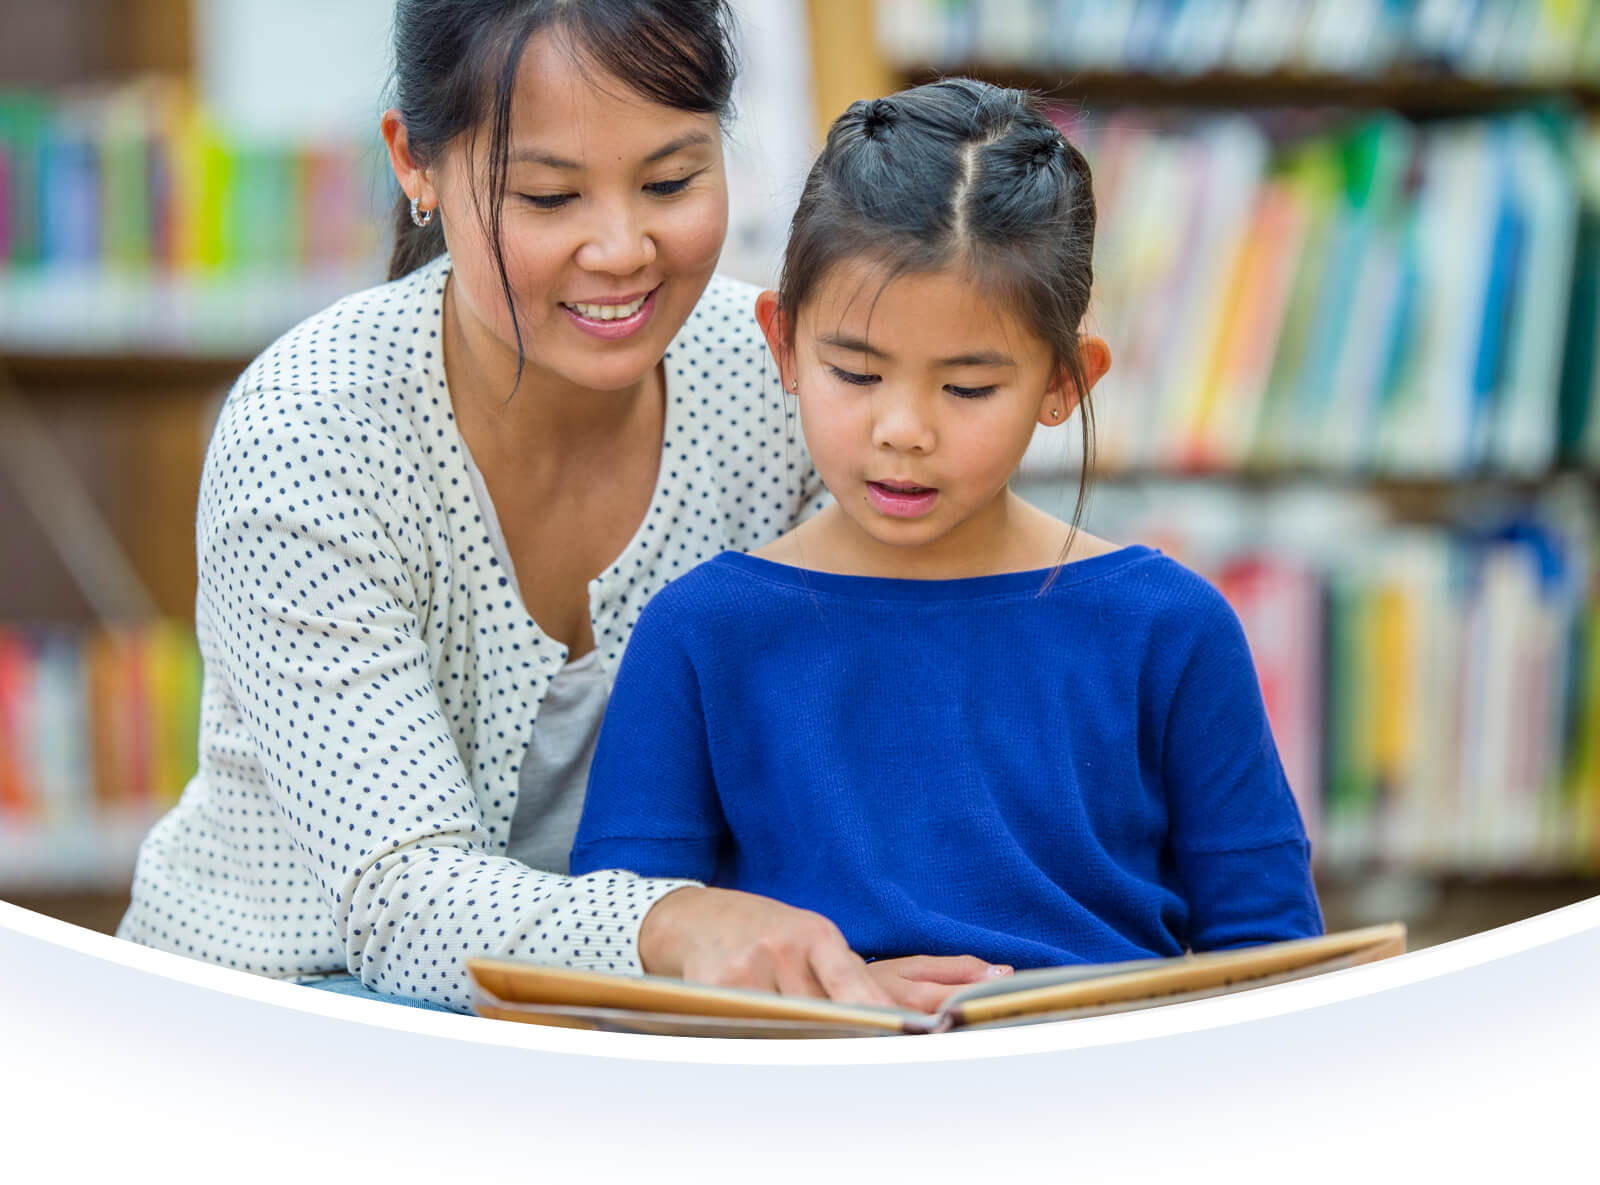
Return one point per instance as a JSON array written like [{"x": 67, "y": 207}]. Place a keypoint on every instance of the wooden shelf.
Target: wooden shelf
[
  {"x": 1415, "y": 94},
  {"x": 1417, "y": 486},
  {"x": 117, "y": 372}
]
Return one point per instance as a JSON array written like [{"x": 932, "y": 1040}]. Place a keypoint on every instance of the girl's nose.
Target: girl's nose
[
  {"x": 617, "y": 243},
  {"x": 898, "y": 424}
]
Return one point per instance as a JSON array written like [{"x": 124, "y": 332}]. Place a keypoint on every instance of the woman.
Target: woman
[{"x": 431, "y": 514}]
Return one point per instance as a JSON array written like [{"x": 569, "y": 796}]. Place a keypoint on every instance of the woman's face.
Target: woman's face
[{"x": 615, "y": 213}]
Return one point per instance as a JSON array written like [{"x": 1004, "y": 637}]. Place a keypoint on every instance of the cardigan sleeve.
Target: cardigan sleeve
[
  {"x": 317, "y": 624},
  {"x": 1236, "y": 836},
  {"x": 652, "y": 806}
]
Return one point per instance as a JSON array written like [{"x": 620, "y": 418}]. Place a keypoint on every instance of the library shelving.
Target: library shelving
[
  {"x": 1347, "y": 262},
  {"x": 147, "y": 251}
]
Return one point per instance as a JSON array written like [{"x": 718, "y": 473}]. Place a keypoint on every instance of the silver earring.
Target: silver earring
[{"x": 420, "y": 217}]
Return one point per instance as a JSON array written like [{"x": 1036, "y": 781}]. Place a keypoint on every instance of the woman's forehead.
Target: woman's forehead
[{"x": 567, "y": 106}]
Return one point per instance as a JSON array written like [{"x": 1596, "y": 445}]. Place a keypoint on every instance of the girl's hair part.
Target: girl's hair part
[
  {"x": 455, "y": 72},
  {"x": 957, "y": 173}
]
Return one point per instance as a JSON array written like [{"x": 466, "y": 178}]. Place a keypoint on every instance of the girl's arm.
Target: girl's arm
[{"x": 1236, "y": 835}]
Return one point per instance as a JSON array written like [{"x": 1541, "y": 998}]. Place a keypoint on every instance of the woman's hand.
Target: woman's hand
[
  {"x": 922, "y": 983},
  {"x": 733, "y": 939}
]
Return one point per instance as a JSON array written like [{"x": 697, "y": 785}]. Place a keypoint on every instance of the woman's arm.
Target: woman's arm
[{"x": 318, "y": 638}]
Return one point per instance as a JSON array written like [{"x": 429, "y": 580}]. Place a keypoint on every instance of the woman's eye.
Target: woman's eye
[
  {"x": 668, "y": 188},
  {"x": 970, "y": 392},
  {"x": 548, "y": 201},
  {"x": 855, "y": 380}
]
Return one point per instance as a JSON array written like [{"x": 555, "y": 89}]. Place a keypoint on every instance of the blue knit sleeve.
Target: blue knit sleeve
[
  {"x": 652, "y": 805},
  {"x": 1236, "y": 835}
]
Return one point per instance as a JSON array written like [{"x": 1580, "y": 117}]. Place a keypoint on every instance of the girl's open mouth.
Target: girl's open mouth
[{"x": 901, "y": 499}]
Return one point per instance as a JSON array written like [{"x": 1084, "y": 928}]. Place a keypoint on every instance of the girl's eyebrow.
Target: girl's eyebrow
[
  {"x": 858, "y": 345},
  {"x": 534, "y": 156}
]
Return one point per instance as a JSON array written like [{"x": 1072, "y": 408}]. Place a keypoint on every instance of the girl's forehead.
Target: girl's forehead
[{"x": 866, "y": 302}]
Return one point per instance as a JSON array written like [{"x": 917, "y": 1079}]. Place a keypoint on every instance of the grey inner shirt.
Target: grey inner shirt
[{"x": 555, "y": 768}]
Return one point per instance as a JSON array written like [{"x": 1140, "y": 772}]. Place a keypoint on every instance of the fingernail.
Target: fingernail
[{"x": 996, "y": 970}]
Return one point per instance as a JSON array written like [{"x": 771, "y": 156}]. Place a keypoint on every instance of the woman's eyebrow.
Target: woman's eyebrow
[
  {"x": 535, "y": 156},
  {"x": 858, "y": 345}
]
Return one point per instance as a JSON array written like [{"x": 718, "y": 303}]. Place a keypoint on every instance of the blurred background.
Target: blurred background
[{"x": 1348, "y": 264}]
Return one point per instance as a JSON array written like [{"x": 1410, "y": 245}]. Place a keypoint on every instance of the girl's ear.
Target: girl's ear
[
  {"x": 773, "y": 328},
  {"x": 1061, "y": 400},
  {"x": 414, "y": 178}
]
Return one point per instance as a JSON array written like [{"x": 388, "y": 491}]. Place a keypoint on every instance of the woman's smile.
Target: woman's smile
[{"x": 612, "y": 318}]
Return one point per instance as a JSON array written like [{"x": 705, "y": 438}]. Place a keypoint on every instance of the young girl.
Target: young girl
[{"x": 910, "y": 714}]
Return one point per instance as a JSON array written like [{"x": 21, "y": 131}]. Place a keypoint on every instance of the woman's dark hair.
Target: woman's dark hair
[
  {"x": 957, "y": 173},
  {"x": 455, "y": 72}
]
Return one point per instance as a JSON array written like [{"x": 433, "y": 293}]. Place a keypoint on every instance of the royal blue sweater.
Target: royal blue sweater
[{"x": 957, "y": 766}]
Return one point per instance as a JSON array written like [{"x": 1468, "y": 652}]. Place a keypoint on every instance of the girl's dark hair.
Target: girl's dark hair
[
  {"x": 455, "y": 71},
  {"x": 957, "y": 173}
]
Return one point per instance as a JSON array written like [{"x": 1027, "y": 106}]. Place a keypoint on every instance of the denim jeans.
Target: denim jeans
[{"x": 349, "y": 985}]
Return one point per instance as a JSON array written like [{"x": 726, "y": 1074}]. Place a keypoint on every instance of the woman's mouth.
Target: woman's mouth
[
  {"x": 611, "y": 318},
  {"x": 901, "y": 499}
]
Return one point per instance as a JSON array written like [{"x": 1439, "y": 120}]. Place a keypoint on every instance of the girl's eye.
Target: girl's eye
[
  {"x": 855, "y": 380},
  {"x": 548, "y": 201},
  {"x": 970, "y": 392},
  {"x": 668, "y": 188}
]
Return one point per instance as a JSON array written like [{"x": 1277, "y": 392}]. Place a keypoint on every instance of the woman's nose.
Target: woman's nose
[
  {"x": 617, "y": 243},
  {"x": 900, "y": 422}
]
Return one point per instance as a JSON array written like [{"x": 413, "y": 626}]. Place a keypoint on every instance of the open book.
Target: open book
[{"x": 510, "y": 990}]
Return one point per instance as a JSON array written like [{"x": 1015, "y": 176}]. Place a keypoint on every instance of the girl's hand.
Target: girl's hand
[
  {"x": 733, "y": 939},
  {"x": 922, "y": 983}
]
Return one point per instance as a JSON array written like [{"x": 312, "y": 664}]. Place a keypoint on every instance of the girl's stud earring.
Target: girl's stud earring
[
  {"x": 794, "y": 384},
  {"x": 420, "y": 217},
  {"x": 1055, "y": 413}
]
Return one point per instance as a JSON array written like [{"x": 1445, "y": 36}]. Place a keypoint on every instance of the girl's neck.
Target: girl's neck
[
  {"x": 1008, "y": 535},
  {"x": 539, "y": 413}
]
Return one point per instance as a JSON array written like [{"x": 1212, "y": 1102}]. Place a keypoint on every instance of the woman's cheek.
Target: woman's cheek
[{"x": 699, "y": 233}]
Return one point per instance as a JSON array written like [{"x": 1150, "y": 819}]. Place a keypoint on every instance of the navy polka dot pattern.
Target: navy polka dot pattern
[{"x": 371, "y": 680}]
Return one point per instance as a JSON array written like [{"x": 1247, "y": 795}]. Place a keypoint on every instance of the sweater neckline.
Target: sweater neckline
[{"x": 882, "y": 588}]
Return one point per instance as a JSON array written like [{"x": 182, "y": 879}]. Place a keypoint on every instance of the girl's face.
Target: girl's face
[
  {"x": 614, "y": 216},
  {"x": 918, "y": 400}
]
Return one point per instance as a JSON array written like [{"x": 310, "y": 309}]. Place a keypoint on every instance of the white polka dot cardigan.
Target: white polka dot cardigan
[{"x": 371, "y": 680}]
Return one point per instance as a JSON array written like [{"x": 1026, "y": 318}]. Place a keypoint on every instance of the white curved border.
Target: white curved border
[
  {"x": 1475, "y": 1060},
  {"x": 1416, "y": 967}
]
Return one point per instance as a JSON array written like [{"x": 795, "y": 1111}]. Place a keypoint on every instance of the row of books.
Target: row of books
[
  {"x": 127, "y": 216},
  {"x": 1434, "y": 689},
  {"x": 98, "y": 734},
  {"x": 1435, "y": 696},
  {"x": 1534, "y": 42},
  {"x": 1363, "y": 295}
]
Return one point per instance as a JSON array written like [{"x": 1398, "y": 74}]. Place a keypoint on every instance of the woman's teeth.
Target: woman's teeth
[{"x": 607, "y": 312}]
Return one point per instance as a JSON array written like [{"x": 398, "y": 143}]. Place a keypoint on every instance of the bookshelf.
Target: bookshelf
[
  {"x": 1326, "y": 547},
  {"x": 148, "y": 250}
]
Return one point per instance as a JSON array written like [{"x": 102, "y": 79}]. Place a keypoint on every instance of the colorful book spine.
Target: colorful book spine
[
  {"x": 98, "y": 736},
  {"x": 1376, "y": 296},
  {"x": 1533, "y": 42}
]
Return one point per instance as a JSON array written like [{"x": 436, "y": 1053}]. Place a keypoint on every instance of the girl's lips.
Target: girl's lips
[
  {"x": 901, "y": 503},
  {"x": 621, "y": 327}
]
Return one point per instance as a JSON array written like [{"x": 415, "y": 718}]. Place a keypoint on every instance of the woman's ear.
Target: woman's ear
[
  {"x": 1062, "y": 399},
  {"x": 414, "y": 178},
  {"x": 774, "y": 329}
]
